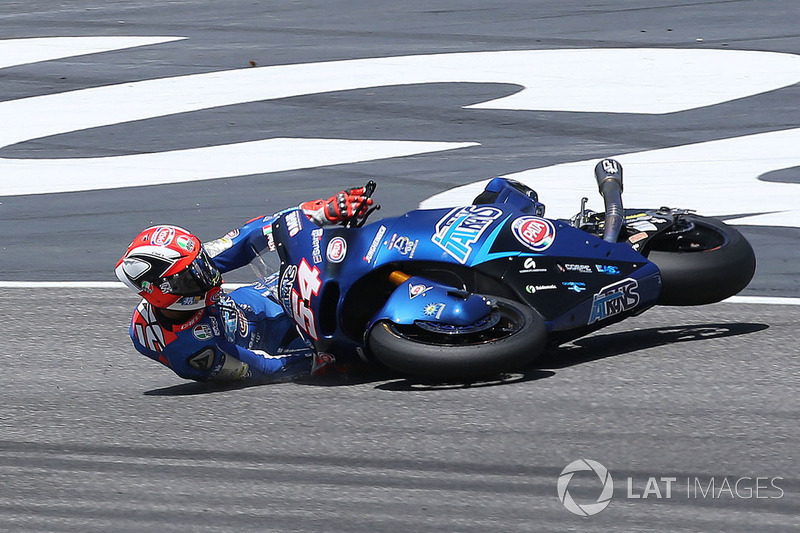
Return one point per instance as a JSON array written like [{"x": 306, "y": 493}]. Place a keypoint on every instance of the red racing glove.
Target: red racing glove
[{"x": 337, "y": 208}]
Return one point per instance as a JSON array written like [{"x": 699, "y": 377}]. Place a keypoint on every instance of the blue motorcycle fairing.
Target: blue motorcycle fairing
[
  {"x": 420, "y": 299},
  {"x": 575, "y": 280}
]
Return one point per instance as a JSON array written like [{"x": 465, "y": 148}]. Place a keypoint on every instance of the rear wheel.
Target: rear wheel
[
  {"x": 509, "y": 339},
  {"x": 702, "y": 260}
]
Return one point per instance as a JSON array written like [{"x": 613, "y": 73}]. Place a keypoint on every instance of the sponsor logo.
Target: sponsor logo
[
  {"x": 642, "y": 225},
  {"x": 185, "y": 242},
  {"x": 416, "y": 290},
  {"x": 191, "y": 322},
  {"x": 610, "y": 166},
  {"x": 434, "y": 310},
  {"x": 285, "y": 289},
  {"x": 230, "y": 319},
  {"x": 530, "y": 266},
  {"x": 533, "y": 289},
  {"x": 587, "y": 509},
  {"x": 337, "y": 250},
  {"x": 244, "y": 325},
  {"x": 403, "y": 245},
  {"x": 534, "y": 232},
  {"x": 203, "y": 332},
  {"x": 232, "y": 234},
  {"x": 583, "y": 269},
  {"x": 462, "y": 227},
  {"x": 373, "y": 247},
  {"x": 577, "y": 286},
  {"x": 316, "y": 251},
  {"x": 203, "y": 360},
  {"x": 607, "y": 269},
  {"x": 614, "y": 299},
  {"x": 267, "y": 231},
  {"x": 163, "y": 236},
  {"x": 293, "y": 224},
  {"x": 215, "y": 326}
]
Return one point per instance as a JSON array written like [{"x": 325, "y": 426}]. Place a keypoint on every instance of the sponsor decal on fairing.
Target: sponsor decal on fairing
[
  {"x": 533, "y": 289},
  {"x": 614, "y": 299},
  {"x": 530, "y": 266},
  {"x": 415, "y": 290},
  {"x": 373, "y": 247},
  {"x": 336, "y": 250},
  {"x": 534, "y": 232},
  {"x": 577, "y": 286},
  {"x": 462, "y": 227},
  {"x": 434, "y": 309},
  {"x": 607, "y": 269},
  {"x": 293, "y": 223},
  {"x": 285, "y": 290},
  {"x": 316, "y": 250},
  {"x": 573, "y": 267}
]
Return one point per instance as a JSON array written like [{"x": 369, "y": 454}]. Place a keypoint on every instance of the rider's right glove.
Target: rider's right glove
[{"x": 337, "y": 208}]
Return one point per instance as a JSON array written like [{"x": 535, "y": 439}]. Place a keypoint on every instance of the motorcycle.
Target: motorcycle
[{"x": 471, "y": 291}]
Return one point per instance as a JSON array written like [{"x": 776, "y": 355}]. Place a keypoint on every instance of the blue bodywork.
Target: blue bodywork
[{"x": 334, "y": 281}]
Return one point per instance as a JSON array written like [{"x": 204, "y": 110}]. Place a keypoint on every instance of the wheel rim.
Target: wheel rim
[{"x": 688, "y": 236}]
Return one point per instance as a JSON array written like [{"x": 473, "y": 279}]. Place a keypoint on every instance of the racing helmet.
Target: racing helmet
[{"x": 169, "y": 268}]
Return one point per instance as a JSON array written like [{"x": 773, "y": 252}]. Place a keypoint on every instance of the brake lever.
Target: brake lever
[{"x": 363, "y": 221}]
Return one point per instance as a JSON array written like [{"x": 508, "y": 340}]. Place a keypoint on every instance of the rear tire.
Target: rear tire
[
  {"x": 514, "y": 342},
  {"x": 702, "y": 265}
]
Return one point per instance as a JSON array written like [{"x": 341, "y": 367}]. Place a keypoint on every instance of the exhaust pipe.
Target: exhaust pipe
[{"x": 608, "y": 173}]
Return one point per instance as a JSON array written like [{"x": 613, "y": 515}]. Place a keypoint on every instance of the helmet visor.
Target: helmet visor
[{"x": 197, "y": 279}]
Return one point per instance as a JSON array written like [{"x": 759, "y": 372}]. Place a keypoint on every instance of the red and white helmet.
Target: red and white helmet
[{"x": 169, "y": 268}]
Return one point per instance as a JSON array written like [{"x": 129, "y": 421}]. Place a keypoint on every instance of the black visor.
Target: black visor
[{"x": 201, "y": 276}]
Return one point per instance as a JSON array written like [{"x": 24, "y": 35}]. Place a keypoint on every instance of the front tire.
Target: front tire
[
  {"x": 707, "y": 261},
  {"x": 514, "y": 342}
]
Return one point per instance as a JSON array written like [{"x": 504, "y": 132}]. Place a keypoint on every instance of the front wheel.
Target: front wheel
[
  {"x": 702, "y": 260},
  {"x": 515, "y": 339}
]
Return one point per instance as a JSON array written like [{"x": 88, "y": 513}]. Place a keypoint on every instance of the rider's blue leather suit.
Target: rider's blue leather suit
[{"x": 244, "y": 335}]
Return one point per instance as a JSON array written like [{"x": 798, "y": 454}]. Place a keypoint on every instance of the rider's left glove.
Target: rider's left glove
[{"x": 338, "y": 207}]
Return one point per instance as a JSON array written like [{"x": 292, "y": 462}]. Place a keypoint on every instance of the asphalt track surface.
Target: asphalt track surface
[{"x": 94, "y": 437}]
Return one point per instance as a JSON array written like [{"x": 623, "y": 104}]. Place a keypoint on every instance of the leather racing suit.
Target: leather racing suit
[{"x": 244, "y": 335}]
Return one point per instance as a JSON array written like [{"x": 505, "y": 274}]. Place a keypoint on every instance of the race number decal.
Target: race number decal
[
  {"x": 148, "y": 331},
  {"x": 308, "y": 283}
]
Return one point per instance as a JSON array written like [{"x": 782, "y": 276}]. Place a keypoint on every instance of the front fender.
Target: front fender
[{"x": 420, "y": 299}]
